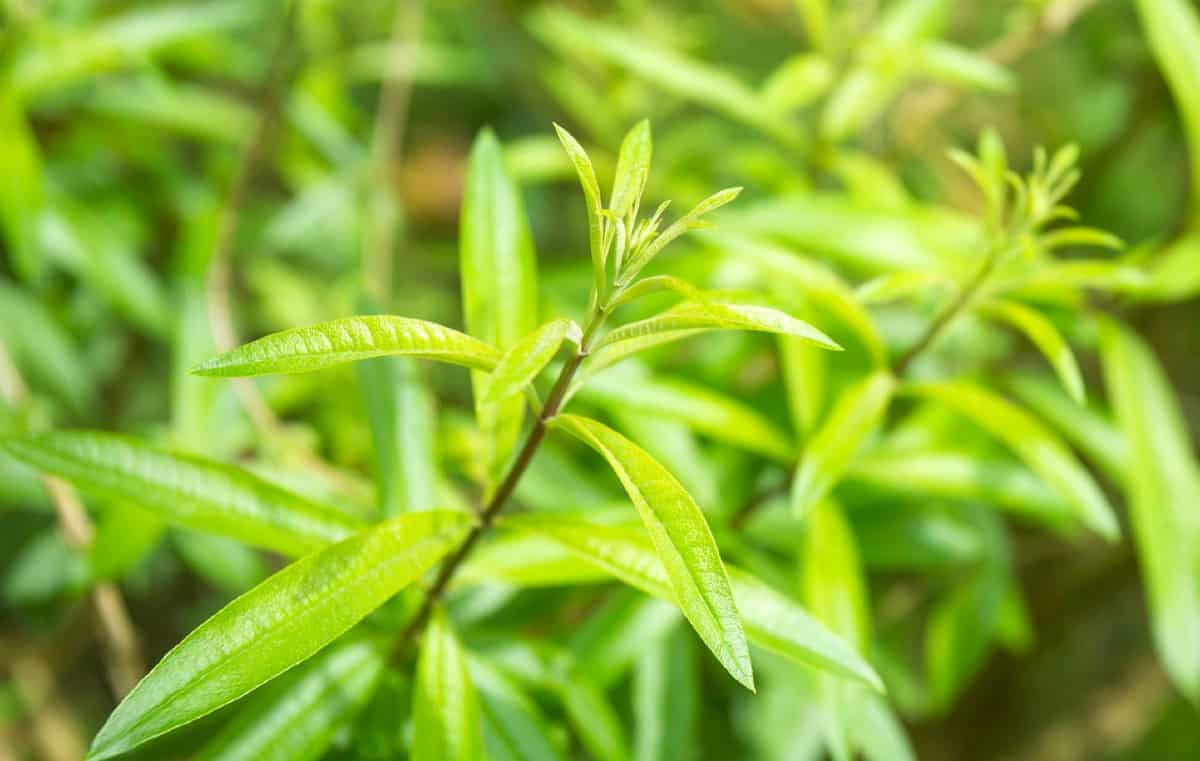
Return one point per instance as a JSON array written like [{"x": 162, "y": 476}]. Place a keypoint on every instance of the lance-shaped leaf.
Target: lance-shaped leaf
[
  {"x": 855, "y": 417},
  {"x": 446, "y": 713},
  {"x": 594, "y": 719},
  {"x": 499, "y": 283},
  {"x": 522, "y": 363},
  {"x": 633, "y": 168},
  {"x": 296, "y": 716},
  {"x": 591, "y": 193},
  {"x": 666, "y": 687},
  {"x": 691, "y": 317},
  {"x": 281, "y": 622},
  {"x": 682, "y": 539},
  {"x": 772, "y": 620},
  {"x": 186, "y": 490},
  {"x": 1045, "y": 337},
  {"x": 1089, "y": 430},
  {"x": 1162, "y": 479},
  {"x": 1036, "y": 445},
  {"x": 349, "y": 339},
  {"x": 1173, "y": 30},
  {"x": 513, "y": 726}
]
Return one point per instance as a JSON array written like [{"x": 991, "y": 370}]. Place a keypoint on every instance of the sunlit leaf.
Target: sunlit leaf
[
  {"x": 187, "y": 490},
  {"x": 771, "y": 619},
  {"x": 591, "y": 193},
  {"x": 447, "y": 722},
  {"x": 349, "y": 339},
  {"x": 682, "y": 539},
  {"x": 297, "y": 716},
  {"x": 279, "y": 623},
  {"x": 1035, "y": 444},
  {"x": 522, "y": 363},
  {"x": 854, "y": 418},
  {"x": 1045, "y": 337},
  {"x": 633, "y": 169}
]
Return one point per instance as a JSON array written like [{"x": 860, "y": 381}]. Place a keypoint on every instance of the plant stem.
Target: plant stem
[
  {"x": 935, "y": 328},
  {"x": 499, "y": 499}
]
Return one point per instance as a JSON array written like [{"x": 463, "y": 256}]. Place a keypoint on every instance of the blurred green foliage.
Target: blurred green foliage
[{"x": 990, "y": 495}]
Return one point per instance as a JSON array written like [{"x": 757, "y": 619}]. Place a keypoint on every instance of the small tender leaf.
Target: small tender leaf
[
  {"x": 1045, "y": 337},
  {"x": 190, "y": 491},
  {"x": 522, "y": 363},
  {"x": 296, "y": 716},
  {"x": 772, "y": 620},
  {"x": 690, "y": 221},
  {"x": 349, "y": 339},
  {"x": 446, "y": 712},
  {"x": 633, "y": 167},
  {"x": 591, "y": 192},
  {"x": 1036, "y": 445},
  {"x": 682, "y": 539},
  {"x": 656, "y": 284},
  {"x": 279, "y": 623},
  {"x": 1162, "y": 479},
  {"x": 852, "y": 421}
]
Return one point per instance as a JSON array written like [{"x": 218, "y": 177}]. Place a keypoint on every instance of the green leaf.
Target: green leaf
[
  {"x": 960, "y": 475},
  {"x": 400, "y": 411},
  {"x": 772, "y": 620},
  {"x": 656, "y": 284},
  {"x": 965, "y": 68},
  {"x": 186, "y": 490},
  {"x": 595, "y": 720},
  {"x": 513, "y": 726},
  {"x": 279, "y": 623},
  {"x": 1162, "y": 479},
  {"x": 703, "y": 410},
  {"x": 42, "y": 351},
  {"x": 878, "y": 733},
  {"x": 297, "y": 716},
  {"x": 1173, "y": 29},
  {"x": 499, "y": 284},
  {"x": 1036, "y": 445},
  {"x": 666, "y": 690},
  {"x": 446, "y": 713},
  {"x": 349, "y": 339},
  {"x": 21, "y": 193},
  {"x": 522, "y": 363},
  {"x": 575, "y": 35},
  {"x": 591, "y": 193},
  {"x": 797, "y": 82},
  {"x": 1088, "y": 429},
  {"x": 834, "y": 588},
  {"x": 692, "y": 317},
  {"x": 682, "y": 539},
  {"x": 225, "y": 563},
  {"x": 870, "y": 86},
  {"x": 855, "y": 417},
  {"x": 633, "y": 169},
  {"x": 1045, "y": 337},
  {"x": 611, "y": 640}
]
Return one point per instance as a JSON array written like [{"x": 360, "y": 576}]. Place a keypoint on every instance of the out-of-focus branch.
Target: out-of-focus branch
[
  {"x": 124, "y": 662},
  {"x": 220, "y": 268},
  {"x": 56, "y": 733},
  {"x": 387, "y": 148}
]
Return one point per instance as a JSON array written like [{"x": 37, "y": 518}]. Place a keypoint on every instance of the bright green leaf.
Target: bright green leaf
[
  {"x": 186, "y": 490},
  {"x": 522, "y": 363},
  {"x": 350, "y": 339},
  {"x": 279, "y": 623},
  {"x": 633, "y": 169},
  {"x": 682, "y": 539},
  {"x": 1045, "y": 337},
  {"x": 446, "y": 713},
  {"x": 1035, "y": 444},
  {"x": 855, "y": 417}
]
